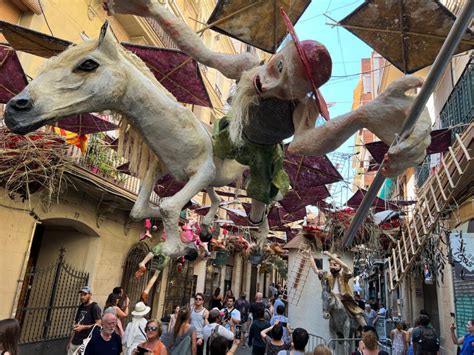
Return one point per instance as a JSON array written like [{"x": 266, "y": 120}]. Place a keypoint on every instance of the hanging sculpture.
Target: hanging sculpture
[{"x": 160, "y": 136}]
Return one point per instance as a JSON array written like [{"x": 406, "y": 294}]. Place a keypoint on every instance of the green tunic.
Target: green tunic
[
  {"x": 159, "y": 260},
  {"x": 267, "y": 176}
]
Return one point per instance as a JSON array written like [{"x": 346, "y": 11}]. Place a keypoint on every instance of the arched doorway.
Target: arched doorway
[
  {"x": 132, "y": 286},
  {"x": 56, "y": 270}
]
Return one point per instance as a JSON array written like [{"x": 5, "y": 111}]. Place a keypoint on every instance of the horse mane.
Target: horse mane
[{"x": 131, "y": 145}]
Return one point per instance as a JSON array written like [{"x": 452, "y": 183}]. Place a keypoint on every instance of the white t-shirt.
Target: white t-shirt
[
  {"x": 207, "y": 331},
  {"x": 235, "y": 314}
]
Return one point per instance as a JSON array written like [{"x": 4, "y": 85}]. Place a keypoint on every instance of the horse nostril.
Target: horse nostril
[{"x": 21, "y": 104}]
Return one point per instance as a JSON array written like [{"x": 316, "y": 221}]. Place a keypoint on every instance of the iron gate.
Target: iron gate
[
  {"x": 132, "y": 286},
  {"x": 181, "y": 286},
  {"x": 48, "y": 301}
]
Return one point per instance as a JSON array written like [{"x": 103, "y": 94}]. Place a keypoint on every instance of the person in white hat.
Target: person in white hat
[{"x": 135, "y": 331}]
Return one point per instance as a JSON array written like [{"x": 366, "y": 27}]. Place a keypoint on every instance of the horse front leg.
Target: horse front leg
[
  {"x": 258, "y": 217},
  {"x": 171, "y": 207},
  {"x": 142, "y": 208},
  {"x": 215, "y": 201}
]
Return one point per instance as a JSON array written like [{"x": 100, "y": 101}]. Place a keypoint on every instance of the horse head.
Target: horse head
[
  {"x": 88, "y": 77},
  {"x": 328, "y": 298}
]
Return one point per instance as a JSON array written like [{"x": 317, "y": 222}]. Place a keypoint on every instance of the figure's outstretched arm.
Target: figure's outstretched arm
[
  {"x": 343, "y": 265},
  {"x": 230, "y": 65},
  {"x": 383, "y": 116}
]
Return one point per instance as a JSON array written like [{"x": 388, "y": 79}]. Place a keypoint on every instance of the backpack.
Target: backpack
[
  {"x": 267, "y": 315},
  {"x": 429, "y": 342},
  {"x": 214, "y": 335},
  {"x": 184, "y": 346},
  {"x": 243, "y": 308}
]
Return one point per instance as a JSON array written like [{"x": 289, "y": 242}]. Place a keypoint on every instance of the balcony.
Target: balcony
[
  {"x": 457, "y": 113},
  {"x": 100, "y": 162},
  {"x": 459, "y": 108}
]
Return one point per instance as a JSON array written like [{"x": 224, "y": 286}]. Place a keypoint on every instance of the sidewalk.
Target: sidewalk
[{"x": 242, "y": 351}]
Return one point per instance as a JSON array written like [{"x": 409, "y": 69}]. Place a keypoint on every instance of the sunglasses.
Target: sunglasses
[
  {"x": 152, "y": 329},
  {"x": 198, "y": 299}
]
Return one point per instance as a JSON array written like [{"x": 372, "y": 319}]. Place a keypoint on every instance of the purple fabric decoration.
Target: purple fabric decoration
[
  {"x": 307, "y": 171},
  {"x": 176, "y": 71},
  {"x": 379, "y": 204},
  {"x": 168, "y": 186},
  {"x": 12, "y": 77},
  {"x": 295, "y": 200},
  {"x": 86, "y": 123},
  {"x": 440, "y": 141},
  {"x": 124, "y": 168}
]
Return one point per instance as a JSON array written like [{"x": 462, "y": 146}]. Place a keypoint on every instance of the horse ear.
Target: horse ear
[{"x": 107, "y": 40}]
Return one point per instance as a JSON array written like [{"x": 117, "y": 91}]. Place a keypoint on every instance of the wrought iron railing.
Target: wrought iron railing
[
  {"x": 456, "y": 114},
  {"x": 48, "y": 301},
  {"x": 459, "y": 108}
]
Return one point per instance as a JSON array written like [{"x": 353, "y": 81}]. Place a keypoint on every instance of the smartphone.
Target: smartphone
[
  {"x": 453, "y": 315},
  {"x": 238, "y": 331},
  {"x": 141, "y": 351}
]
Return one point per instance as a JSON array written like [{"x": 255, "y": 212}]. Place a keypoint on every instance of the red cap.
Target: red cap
[{"x": 317, "y": 63}]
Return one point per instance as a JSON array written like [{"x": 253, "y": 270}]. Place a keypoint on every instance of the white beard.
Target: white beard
[{"x": 245, "y": 97}]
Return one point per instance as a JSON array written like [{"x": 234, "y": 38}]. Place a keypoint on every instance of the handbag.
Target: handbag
[{"x": 82, "y": 348}]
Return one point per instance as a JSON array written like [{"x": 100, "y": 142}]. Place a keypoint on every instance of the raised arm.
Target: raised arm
[
  {"x": 456, "y": 341},
  {"x": 230, "y": 65},
  {"x": 343, "y": 265}
]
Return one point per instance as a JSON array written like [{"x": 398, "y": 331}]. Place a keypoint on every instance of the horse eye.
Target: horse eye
[
  {"x": 280, "y": 66},
  {"x": 88, "y": 65}
]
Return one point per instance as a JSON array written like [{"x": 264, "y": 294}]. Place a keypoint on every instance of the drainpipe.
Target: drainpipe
[
  {"x": 21, "y": 277},
  {"x": 440, "y": 64}
]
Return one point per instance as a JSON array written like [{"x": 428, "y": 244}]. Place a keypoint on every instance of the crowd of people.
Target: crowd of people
[{"x": 228, "y": 324}]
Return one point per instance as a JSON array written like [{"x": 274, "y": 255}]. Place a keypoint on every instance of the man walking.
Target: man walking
[
  {"x": 258, "y": 302},
  {"x": 199, "y": 316},
  {"x": 214, "y": 328},
  {"x": 244, "y": 308},
  {"x": 300, "y": 338},
  {"x": 87, "y": 315},
  {"x": 467, "y": 340},
  {"x": 259, "y": 323},
  {"x": 105, "y": 341},
  {"x": 425, "y": 340}
]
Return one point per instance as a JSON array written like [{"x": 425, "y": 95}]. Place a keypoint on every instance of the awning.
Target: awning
[
  {"x": 176, "y": 71},
  {"x": 33, "y": 42},
  {"x": 86, "y": 123},
  {"x": 297, "y": 199},
  {"x": 12, "y": 77},
  {"x": 409, "y": 34},
  {"x": 306, "y": 171},
  {"x": 257, "y": 23},
  {"x": 440, "y": 142},
  {"x": 379, "y": 204}
]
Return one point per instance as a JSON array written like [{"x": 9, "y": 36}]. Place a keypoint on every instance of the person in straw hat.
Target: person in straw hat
[{"x": 135, "y": 331}]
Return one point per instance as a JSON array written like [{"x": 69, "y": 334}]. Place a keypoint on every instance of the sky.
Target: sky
[{"x": 346, "y": 52}]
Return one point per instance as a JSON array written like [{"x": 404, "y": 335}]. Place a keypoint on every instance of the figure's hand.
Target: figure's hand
[
  {"x": 129, "y": 7},
  {"x": 385, "y": 117}
]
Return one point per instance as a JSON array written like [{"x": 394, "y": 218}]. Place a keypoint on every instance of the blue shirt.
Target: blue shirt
[
  {"x": 468, "y": 345},
  {"x": 282, "y": 319},
  {"x": 277, "y": 303}
]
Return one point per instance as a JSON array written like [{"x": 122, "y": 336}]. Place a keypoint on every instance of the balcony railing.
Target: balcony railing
[
  {"x": 457, "y": 113},
  {"x": 459, "y": 108},
  {"x": 102, "y": 162}
]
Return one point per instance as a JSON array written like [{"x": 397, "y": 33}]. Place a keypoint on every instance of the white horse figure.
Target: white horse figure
[{"x": 162, "y": 136}]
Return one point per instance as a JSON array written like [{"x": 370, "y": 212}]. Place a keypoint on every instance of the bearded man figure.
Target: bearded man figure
[
  {"x": 338, "y": 281},
  {"x": 272, "y": 104}
]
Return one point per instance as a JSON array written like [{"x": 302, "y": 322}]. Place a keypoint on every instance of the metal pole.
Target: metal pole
[{"x": 442, "y": 60}]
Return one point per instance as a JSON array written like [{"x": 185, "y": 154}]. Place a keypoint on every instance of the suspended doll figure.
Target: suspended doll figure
[{"x": 271, "y": 103}]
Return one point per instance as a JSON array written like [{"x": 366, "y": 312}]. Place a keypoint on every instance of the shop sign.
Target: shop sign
[{"x": 462, "y": 251}]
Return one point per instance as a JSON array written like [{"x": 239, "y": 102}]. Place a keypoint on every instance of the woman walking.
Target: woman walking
[
  {"x": 153, "y": 343},
  {"x": 183, "y": 338},
  {"x": 9, "y": 336},
  {"x": 135, "y": 331}
]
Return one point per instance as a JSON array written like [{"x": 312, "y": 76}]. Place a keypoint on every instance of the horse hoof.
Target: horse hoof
[{"x": 140, "y": 272}]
